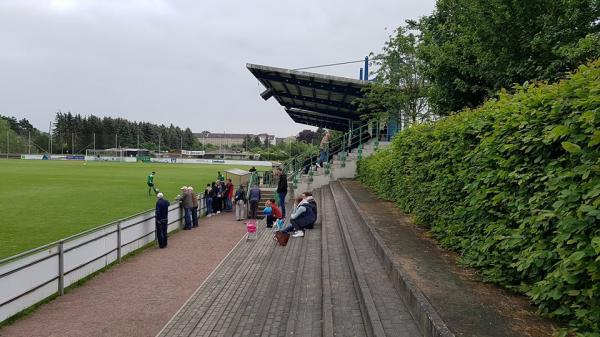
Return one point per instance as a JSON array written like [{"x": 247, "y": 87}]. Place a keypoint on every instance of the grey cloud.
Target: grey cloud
[{"x": 180, "y": 62}]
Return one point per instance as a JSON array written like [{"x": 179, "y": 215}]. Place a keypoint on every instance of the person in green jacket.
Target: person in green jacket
[{"x": 150, "y": 182}]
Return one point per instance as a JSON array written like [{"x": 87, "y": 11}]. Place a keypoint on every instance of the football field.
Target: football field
[{"x": 44, "y": 201}]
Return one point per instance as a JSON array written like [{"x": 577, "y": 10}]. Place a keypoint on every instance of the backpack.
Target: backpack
[{"x": 281, "y": 238}]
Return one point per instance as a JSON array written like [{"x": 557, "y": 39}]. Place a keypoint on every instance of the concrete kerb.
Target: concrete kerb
[
  {"x": 242, "y": 239},
  {"x": 427, "y": 318},
  {"x": 327, "y": 306}
]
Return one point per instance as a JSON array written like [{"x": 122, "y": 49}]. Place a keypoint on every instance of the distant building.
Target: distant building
[
  {"x": 264, "y": 136},
  {"x": 206, "y": 137},
  {"x": 231, "y": 155},
  {"x": 285, "y": 140}
]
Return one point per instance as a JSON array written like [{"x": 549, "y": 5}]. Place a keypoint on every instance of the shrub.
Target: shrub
[{"x": 514, "y": 186}]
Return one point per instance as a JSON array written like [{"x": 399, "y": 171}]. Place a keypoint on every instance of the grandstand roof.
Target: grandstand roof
[{"x": 310, "y": 98}]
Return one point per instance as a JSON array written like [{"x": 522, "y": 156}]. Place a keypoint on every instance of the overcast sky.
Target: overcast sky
[{"x": 180, "y": 62}]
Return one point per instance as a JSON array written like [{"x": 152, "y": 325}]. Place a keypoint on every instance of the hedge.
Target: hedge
[{"x": 514, "y": 186}]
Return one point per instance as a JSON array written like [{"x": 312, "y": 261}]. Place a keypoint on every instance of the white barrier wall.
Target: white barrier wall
[
  {"x": 211, "y": 161},
  {"x": 154, "y": 160},
  {"x": 30, "y": 277},
  {"x": 111, "y": 159}
]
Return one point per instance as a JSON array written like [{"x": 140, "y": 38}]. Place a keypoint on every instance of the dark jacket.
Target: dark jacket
[
  {"x": 162, "y": 210},
  {"x": 313, "y": 202},
  {"x": 255, "y": 193},
  {"x": 186, "y": 200},
  {"x": 282, "y": 185},
  {"x": 308, "y": 217},
  {"x": 240, "y": 194}
]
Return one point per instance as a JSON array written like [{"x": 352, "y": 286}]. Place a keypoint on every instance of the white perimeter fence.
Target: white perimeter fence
[
  {"x": 154, "y": 160},
  {"x": 32, "y": 276}
]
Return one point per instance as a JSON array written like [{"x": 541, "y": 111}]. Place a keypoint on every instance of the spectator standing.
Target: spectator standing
[
  {"x": 162, "y": 220},
  {"x": 220, "y": 177},
  {"x": 254, "y": 199},
  {"x": 282, "y": 187},
  {"x": 195, "y": 205},
  {"x": 240, "y": 203},
  {"x": 186, "y": 202},
  {"x": 208, "y": 200},
  {"x": 217, "y": 202},
  {"x": 229, "y": 195},
  {"x": 323, "y": 147}
]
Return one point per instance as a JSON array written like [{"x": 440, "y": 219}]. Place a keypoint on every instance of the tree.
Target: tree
[
  {"x": 247, "y": 143},
  {"x": 400, "y": 88},
  {"x": 256, "y": 142},
  {"x": 307, "y": 136},
  {"x": 473, "y": 48}
]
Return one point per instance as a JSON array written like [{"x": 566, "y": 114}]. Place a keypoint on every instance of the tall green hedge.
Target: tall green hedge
[{"x": 514, "y": 186}]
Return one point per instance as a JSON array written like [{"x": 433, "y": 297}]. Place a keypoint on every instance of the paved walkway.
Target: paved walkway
[
  {"x": 328, "y": 283},
  {"x": 138, "y": 297}
]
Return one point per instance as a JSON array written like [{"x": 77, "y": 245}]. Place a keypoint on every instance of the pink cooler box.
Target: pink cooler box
[{"x": 251, "y": 231}]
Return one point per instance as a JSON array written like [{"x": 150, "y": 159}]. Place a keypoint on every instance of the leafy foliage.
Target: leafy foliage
[
  {"x": 473, "y": 48},
  {"x": 77, "y": 133},
  {"x": 21, "y": 134},
  {"x": 399, "y": 88},
  {"x": 515, "y": 187}
]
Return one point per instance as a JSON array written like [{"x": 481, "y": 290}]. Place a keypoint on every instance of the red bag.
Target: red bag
[{"x": 281, "y": 238}]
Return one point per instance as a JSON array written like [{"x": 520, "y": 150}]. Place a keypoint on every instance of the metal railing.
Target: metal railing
[
  {"x": 341, "y": 145},
  {"x": 263, "y": 179},
  {"x": 30, "y": 277}
]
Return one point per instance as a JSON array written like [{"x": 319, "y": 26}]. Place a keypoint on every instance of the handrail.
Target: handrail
[
  {"x": 73, "y": 237},
  {"x": 69, "y": 238},
  {"x": 339, "y": 144},
  {"x": 21, "y": 262}
]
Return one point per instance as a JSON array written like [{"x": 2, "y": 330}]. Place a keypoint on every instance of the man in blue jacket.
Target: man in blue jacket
[{"x": 162, "y": 220}]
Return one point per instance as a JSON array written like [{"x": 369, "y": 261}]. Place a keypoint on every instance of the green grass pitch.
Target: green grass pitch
[{"x": 44, "y": 201}]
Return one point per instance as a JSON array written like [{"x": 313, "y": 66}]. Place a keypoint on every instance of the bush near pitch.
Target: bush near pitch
[{"x": 514, "y": 186}]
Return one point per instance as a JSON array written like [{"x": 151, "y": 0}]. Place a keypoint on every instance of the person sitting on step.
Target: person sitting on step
[
  {"x": 303, "y": 216},
  {"x": 311, "y": 200},
  {"x": 275, "y": 212}
]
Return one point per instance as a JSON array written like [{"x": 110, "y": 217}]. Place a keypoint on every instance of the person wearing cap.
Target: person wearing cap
[
  {"x": 186, "y": 202},
  {"x": 195, "y": 205},
  {"x": 162, "y": 220}
]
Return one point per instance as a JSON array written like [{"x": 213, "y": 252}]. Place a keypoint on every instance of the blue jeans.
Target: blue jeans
[
  {"x": 228, "y": 204},
  {"x": 322, "y": 157},
  {"x": 208, "y": 205},
  {"x": 188, "y": 218},
  {"x": 282, "y": 203}
]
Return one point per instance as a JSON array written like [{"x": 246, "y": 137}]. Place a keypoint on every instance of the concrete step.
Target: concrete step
[{"x": 378, "y": 299}]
